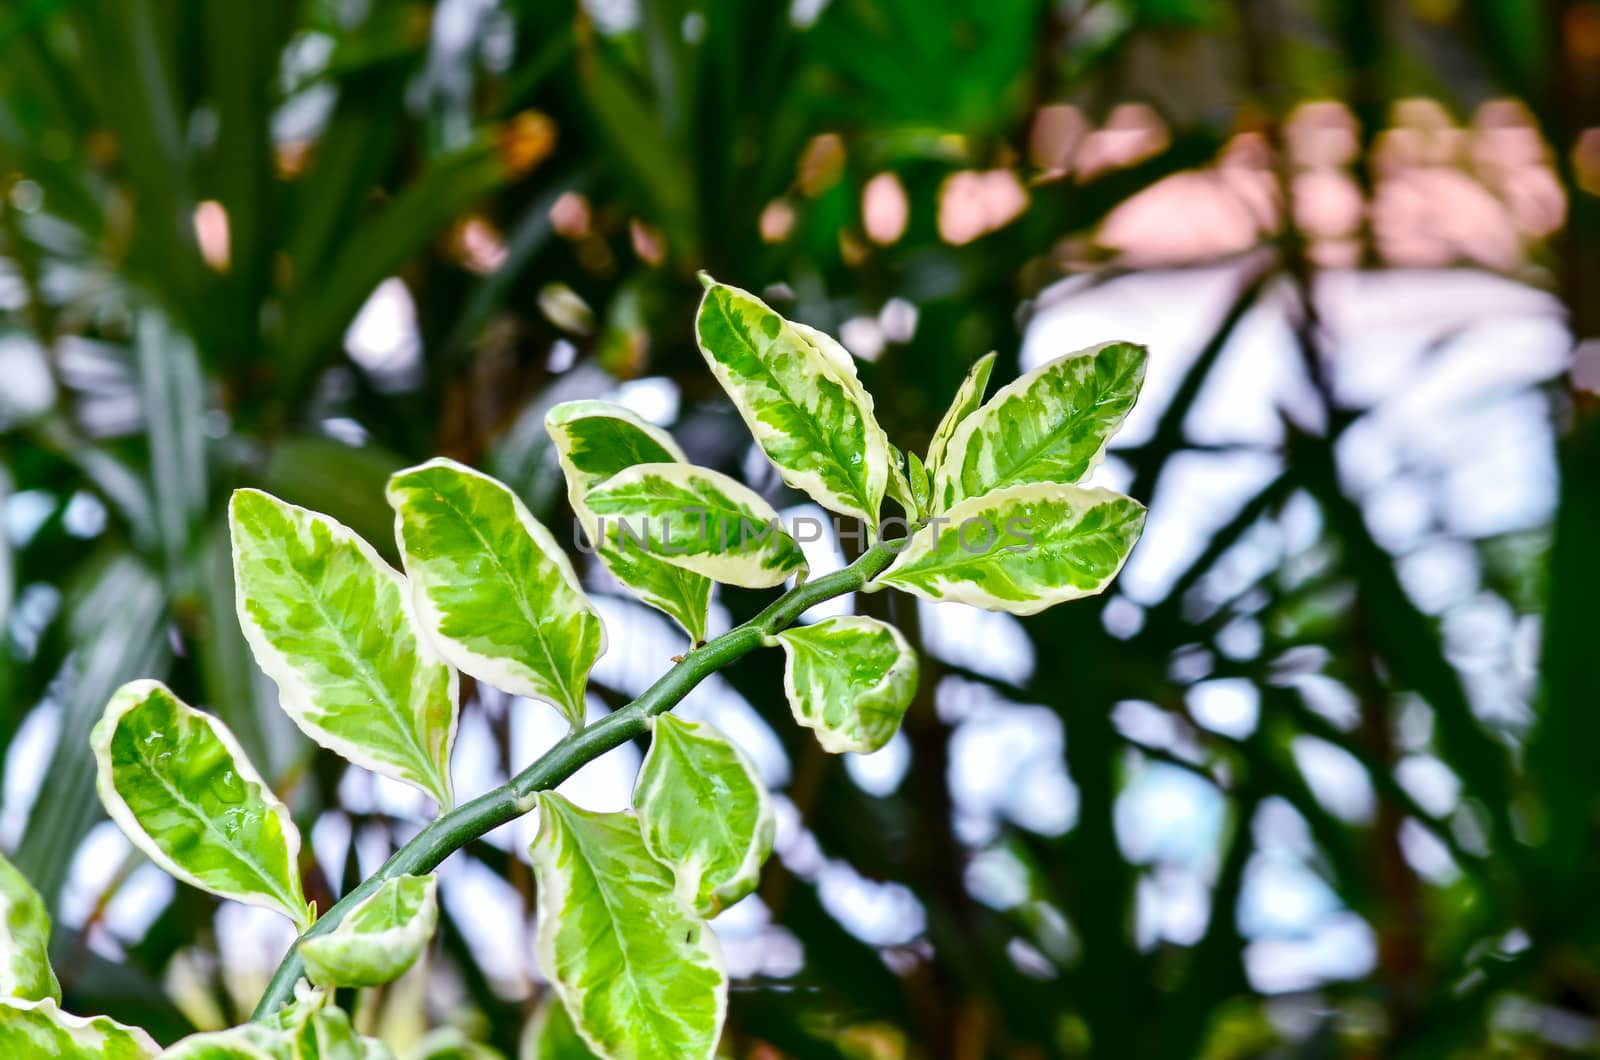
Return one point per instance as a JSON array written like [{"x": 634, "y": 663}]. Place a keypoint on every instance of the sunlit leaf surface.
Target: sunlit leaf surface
[
  {"x": 178, "y": 785},
  {"x": 595, "y": 440},
  {"x": 25, "y": 971},
  {"x": 1021, "y": 549},
  {"x": 639, "y": 972},
  {"x": 331, "y": 623},
  {"x": 1051, "y": 425},
  {"x": 798, "y": 393},
  {"x": 700, "y": 520},
  {"x": 493, "y": 587},
  {"x": 704, "y": 811},
  {"x": 378, "y": 939},
  {"x": 39, "y": 1030},
  {"x": 849, "y": 680}
]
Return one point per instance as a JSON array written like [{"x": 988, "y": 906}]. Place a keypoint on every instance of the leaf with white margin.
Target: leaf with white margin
[
  {"x": 450, "y": 1043},
  {"x": 877, "y": 439},
  {"x": 330, "y": 622},
  {"x": 327, "y": 1034},
  {"x": 594, "y": 440},
  {"x": 39, "y": 1030},
  {"x": 1050, "y": 425},
  {"x": 697, "y": 519},
  {"x": 291, "y": 1014},
  {"x": 900, "y": 488},
  {"x": 704, "y": 811},
  {"x": 640, "y": 973},
  {"x": 968, "y": 397},
  {"x": 315, "y": 1031},
  {"x": 800, "y": 399},
  {"x": 25, "y": 970},
  {"x": 179, "y": 786},
  {"x": 379, "y": 938},
  {"x": 849, "y": 679},
  {"x": 1021, "y": 549},
  {"x": 493, "y": 587},
  {"x": 248, "y": 1042},
  {"x": 550, "y": 1035},
  {"x": 918, "y": 485}
]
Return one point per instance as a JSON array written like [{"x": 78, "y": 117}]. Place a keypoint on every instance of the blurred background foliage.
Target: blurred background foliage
[{"x": 1317, "y": 780}]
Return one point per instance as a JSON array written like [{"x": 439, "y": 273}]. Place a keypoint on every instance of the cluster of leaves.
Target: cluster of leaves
[
  {"x": 366, "y": 661},
  {"x": 117, "y": 116}
]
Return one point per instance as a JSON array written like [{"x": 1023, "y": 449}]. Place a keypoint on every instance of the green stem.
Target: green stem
[{"x": 454, "y": 830}]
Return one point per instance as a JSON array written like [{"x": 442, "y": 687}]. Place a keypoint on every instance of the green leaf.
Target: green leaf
[
  {"x": 798, "y": 393},
  {"x": 25, "y": 970},
  {"x": 39, "y": 1030},
  {"x": 313, "y": 1030},
  {"x": 330, "y": 622},
  {"x": 1021, "y": 549},
  {"x": 639, "y": 972},
  {"x": 1050, "y": 425},
  {"x": 378, "y": 939},
  {"x": 850, "y": 680},
  {"x": 493, "y": 586},
  {"x": 900, "y": 487},
  {"x": 327, "y": 1034},
  {"x": 595, "y": 440},
  {"x": 451, "y": 1043},
  {"x": 877, "y": 439},
  {"x": 179, "y": 786},
  {"x": 919, "y": 485},
  {"x": 240, "y": 1043},
  {"x": 697, "y": 519},
  {"x": 550, "y": 1035},
  {"x": 968, "y": 397},
  {"x": 704, "y": 811}
]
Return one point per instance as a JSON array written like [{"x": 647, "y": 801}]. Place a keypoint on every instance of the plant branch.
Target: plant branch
[{"x": 454, "y": 830}]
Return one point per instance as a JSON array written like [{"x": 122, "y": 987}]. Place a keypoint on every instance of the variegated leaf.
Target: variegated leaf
[
  {"x": 312, "y": 1031},
  {"x": 704, "y": 811},
  {"x": 697, "y": 519},
  {"x": 876, "y": 438},
  {"x": 900, "y": 488},
  {"x": 451, "y": 1043},
  {"x": 594, "y": 440},
  {"x": 850, "y": 680},
  {"x": 179, "y": 786},
  {"x": 25, "y": 970},
  {"x": 639, "y": 972},
  {"x": 39, "y": 1030},
  {"x": 550, "y": 1035},
  {"x": 493, "y": 587},
  {"x": 798, "y": 393},
  {"x": 378, "y": 939},
  {"x": 1020, "y": 549},
  {"x": 919, "y": 486},
  {"x": 1050, "y": 425},
  {"x": 330, "y": 622},
  {"x": 968, "y": 397},
  {"x": 327, "y": 1034},
  {"x": 248, "y": 1042}
]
